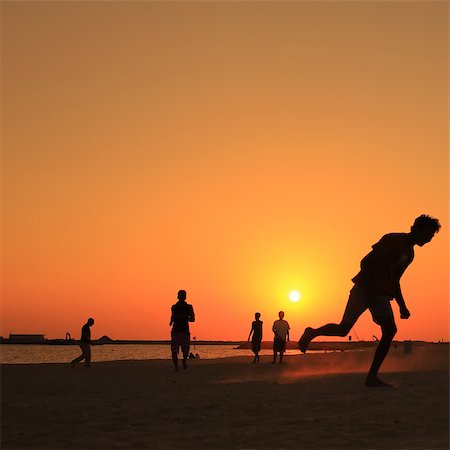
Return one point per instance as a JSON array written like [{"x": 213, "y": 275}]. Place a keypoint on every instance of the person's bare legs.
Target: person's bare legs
[
  {"x": 77, "y": 360},
  {"x": 388, "y": 329},
  {"x": 185, "y": 361},
  {"x": 331, "y": 329},
  {"x": 87, "y": 359},
  {"x": 85, "y": 354},
  {"x": 175, "y": 360}
]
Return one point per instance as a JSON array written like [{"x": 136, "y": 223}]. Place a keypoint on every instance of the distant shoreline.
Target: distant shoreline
[
  {"x": 319, "y": 345},
  {"x": 113, "y": 342}
]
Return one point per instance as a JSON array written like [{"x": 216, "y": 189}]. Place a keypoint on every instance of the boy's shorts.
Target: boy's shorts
[
  {"x": 360, "y": 300},
  {"x": 182, "y": 340},
  {"x": 279, "y": 345}
]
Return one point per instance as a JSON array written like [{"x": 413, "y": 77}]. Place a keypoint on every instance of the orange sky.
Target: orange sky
[{"x": 237, "y": 150}]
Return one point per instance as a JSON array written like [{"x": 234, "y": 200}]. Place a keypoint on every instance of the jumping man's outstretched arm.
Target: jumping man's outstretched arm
[{"x": 404, "y": 312}]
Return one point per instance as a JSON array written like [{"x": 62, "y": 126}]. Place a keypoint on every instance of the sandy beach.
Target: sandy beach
[{"x": 310, "y": 401}]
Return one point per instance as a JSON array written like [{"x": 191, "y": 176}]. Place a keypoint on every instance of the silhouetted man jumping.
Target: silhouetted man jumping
[
  {"x": 182, "y": 314},
  {"x": 377, "y": 283}
]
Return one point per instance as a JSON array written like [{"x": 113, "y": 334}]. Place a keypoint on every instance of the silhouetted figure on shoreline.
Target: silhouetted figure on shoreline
[
  {"x": 85, "y": 344},
  {"x": 257, "y": 336},
  {"x": 182, "y": 314},
  {"x": 377, "y": 283},
  {"x": 281, "y": 333}
]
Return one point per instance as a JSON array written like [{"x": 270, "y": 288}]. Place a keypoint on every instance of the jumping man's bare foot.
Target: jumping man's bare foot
[
  {"x": 372, "y": 381},
  {"x": 305, "y": 340}
]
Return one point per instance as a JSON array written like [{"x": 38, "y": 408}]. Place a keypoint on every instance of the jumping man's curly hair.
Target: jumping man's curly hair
[{"x": 425, "y": 221}]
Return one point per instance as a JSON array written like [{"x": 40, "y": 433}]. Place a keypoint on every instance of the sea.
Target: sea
[{"x": 42, "y": 354}]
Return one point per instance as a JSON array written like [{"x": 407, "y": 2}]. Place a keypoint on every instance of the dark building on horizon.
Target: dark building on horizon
[{"x": 26, "y": 338}]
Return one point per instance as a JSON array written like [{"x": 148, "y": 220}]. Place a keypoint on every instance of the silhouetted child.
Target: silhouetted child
[
  {"x": 376, "y": 285},
  {"x": 281, "y": 333},
  {"x": 256, "y": 330},
  {"x": 182, "y": 314},
  {"x": 85, "y": 344}
]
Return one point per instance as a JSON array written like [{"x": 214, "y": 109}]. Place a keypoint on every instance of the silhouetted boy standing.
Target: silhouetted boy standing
[
  {"x": 182, "y": 314},
  {"x": 281, "y": 332}
]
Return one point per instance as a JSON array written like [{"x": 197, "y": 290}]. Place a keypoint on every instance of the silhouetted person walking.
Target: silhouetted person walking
[
  {"x": 257, "y": 336},
  {"x": 85, "y": 344},
  {"x": 377, "y": 283},
  {"x": 281, "y": 332},
  {"x": 182, "y": 314}
]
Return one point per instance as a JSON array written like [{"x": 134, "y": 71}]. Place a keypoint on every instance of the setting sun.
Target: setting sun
[{"x": 294, "y": 296}]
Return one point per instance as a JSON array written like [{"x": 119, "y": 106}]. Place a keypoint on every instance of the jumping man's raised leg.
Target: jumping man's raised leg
[
  {"x": 356, "y": 305},
  {"x": 331, "y": 329}
]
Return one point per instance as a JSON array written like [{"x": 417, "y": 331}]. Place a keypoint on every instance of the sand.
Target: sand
[{"x": 310, "y": 402}]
